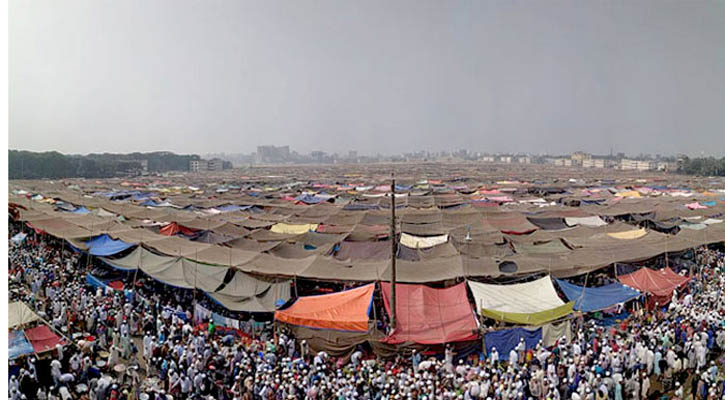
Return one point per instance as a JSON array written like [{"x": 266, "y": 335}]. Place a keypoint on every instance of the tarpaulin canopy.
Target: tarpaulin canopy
[
  {"x": 18, "y": 345},
  {"x": 549, "y": 223},
  {"x": 431, "y": 316},
  {"x": 536, "y": 318},
  {"x": 528, "y": 297},
  {"x": 659, "y": 283},
  {"x": 19, "y": 238},
  {"x": 293, "y": 229},
  {"x": 596, "y": 298},
  {"x": 506, "y": 340},
  {"x": 628, "y": 235},
  {"x": 42, "y": 338},
  {"x": 421, "y": 242},
  {"x": 103, "y": 245},
  {"x": 19, "y": 314},
  {"x": 246, "y": 293},
  {"x": 586, "y": 221},
  {"x": 174, "y": 228},
  {"x": 345, "y": 311}
]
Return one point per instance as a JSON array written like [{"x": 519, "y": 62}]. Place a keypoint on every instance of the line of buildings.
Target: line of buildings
[{"x": 215, "y": 164}]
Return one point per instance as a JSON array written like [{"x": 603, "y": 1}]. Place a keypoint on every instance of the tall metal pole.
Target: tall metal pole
[{"x": 394, "y": 249}]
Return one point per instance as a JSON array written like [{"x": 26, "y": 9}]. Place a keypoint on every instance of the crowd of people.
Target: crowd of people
[{"x": 133, "y": 346}]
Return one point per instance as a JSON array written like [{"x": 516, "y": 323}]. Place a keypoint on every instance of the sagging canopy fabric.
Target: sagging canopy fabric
[
  {"x": 42, "y": 338},
  {"x": 18, "y": 345},
  {"x": 174, "y": 228},
  {"x": 549, "y": 223},
  {"x": 293, "y": 229},
  {"x": 363, "y": 250},
  {"x": 421, "y": 242},
  {"x": 103, "y": 245},
  {"x": 19, "y": 314},
  {"x": 507, "y": 339},
  {"x": 529, "y": 297},
  {"x": 175, "y": 271},
  {"x": 431, "y": 316},
  {"x": 596, "y": 298},
  {"x": 594, "y": 221},
  {"x": 248, "y": 294},
  {"x": 344, "y": 311},
  {"x": 628, "y": 235},
  {"x": 658, "y": 283},
  {"x": 536, "y": 318}
]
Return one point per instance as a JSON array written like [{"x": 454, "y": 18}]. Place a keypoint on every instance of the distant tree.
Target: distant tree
[{"x": 54, "y": 165}]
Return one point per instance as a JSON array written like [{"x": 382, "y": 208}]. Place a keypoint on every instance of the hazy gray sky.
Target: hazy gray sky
[{"x": 375, "y": 76}]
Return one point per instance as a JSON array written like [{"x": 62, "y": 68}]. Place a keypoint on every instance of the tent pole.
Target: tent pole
[
  {"x": 196, "y": 265},
  {"x": 393, "y": 249}
]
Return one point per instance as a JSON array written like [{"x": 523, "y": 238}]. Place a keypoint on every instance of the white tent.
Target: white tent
[
  {"x": 529, "y": 297},
  {"x": 19, "y": 314}
]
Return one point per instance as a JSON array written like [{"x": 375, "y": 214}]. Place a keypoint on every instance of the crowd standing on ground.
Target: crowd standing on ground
[{"x": 147, "y": 347}]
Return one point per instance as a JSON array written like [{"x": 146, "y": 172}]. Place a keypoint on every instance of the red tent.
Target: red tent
[
  {"x": 42, "y": 338},
  {"x": 174, "y": 228},
  {"x": 344, "y": 311},
  {"x": 657, "y": 283},
  {"x": 431, "y": 316}
]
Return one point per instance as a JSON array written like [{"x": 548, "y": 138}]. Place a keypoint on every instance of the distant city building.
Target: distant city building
[
  {"x": 580, "y": 156},
  {"x": 215, "y": 164},
  {"x": 638, "y": 165},
  {"x": 563, "y": 162},
  {"x": 272, "y": 154},
  {"x": 524, "y": 160},
  {"x": 488, "y": 159},
  {"x": 598, "y": 163},
  {"x": 505, "y": 159},
  {"x": 198, "y": 165}
]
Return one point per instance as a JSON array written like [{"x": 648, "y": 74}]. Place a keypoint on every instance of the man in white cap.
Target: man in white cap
[{"x": 494, "y": 356}]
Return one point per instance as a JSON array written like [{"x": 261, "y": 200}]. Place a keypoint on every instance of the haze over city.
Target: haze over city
[{"x": 375, "y": 77}]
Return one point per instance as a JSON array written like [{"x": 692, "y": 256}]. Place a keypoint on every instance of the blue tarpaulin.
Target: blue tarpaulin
[
  {"x": 19, "y": 238},
  {"x": 103, "y": 245},
  {"x": 81, "y": 210},
  {"x": 597, "y": 298},
  {"x": 18, "y": 344},
  {"x": 506, "y": 340},
  {"x": 233, "y": 207}
]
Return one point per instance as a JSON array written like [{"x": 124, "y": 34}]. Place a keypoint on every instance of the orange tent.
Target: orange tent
[
  {"x": 345, "y": 311},
  {"x": 657, "y": 283}
]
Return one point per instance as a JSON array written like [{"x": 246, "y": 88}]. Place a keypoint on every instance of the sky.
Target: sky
[{"x": 373, "y": 76}]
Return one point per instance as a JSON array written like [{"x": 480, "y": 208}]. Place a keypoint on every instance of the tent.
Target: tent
[
  {"x": 20, "y": 314},
  {"x": 103, "y": 245},
  {"x": 19, "y": 238},
  {"x": 42, "y": 338},
  {"x": 596, "y": 298},
  {"x": 507, "y": 339},
  {"x": 594, "y": 221},
  {"x": 246, "y": 293},
  {"x": 549, "y": 223},
  {"x": 528, "y": 297},
  {"x": 657, "y": 283},
  {"x": 344, "y": 311},
  {"x": 628, "y": 235},
  {"x": 529, "y": 303},
  {"x": 536, "y": 318},
  {"x": 293, "y": 229},
  {"x": 18, "y": 345},
  {"x": 431, "y": 316},
  {"x": 421, "y": 242},
  {"x": 174, "y": 228}
]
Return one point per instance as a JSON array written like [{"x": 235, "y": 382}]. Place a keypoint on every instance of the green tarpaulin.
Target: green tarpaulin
[{"x": 536, "y": 318}]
